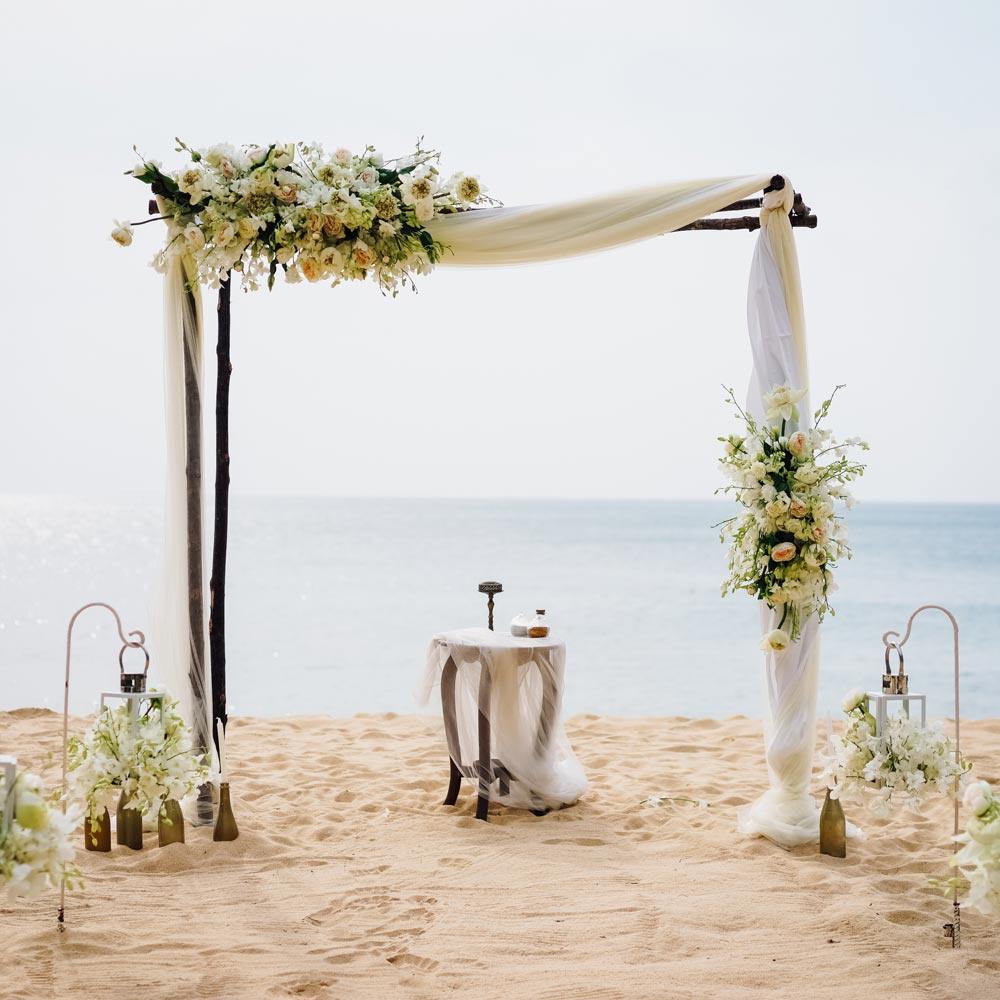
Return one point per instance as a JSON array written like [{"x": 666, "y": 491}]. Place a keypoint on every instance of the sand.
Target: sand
[{"x": 350, "y": 879}]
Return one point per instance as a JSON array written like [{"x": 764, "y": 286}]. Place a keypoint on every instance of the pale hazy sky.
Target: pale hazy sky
[{"x": 594, "y": 377}]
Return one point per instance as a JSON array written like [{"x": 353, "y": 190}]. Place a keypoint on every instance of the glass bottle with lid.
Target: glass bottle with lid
[{"x": 538, "y": 628}]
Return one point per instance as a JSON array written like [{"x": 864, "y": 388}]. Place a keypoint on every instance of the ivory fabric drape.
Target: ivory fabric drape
[
  {"x": 178, "y": 644},
  {"x": 535, "y": 233}
]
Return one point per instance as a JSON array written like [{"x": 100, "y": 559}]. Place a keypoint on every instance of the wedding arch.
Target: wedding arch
[{"x": 426, "y": 225}]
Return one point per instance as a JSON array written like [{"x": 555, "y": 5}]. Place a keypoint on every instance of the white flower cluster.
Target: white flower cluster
[
  {"x": 903, "y": 764},
  {"x": 318, "y": 216},
  {"x": 148, "y": 759},
  {"x": 784, "y": 548},
  {"x": 979, "y": 857},
  {"x": 36, "y": 852}
]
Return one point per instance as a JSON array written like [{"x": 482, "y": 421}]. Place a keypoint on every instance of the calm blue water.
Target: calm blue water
[{"x": 331, "y": 602}]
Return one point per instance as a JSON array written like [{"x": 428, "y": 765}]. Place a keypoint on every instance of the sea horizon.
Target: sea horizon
[{"x": 331, "y": 600}]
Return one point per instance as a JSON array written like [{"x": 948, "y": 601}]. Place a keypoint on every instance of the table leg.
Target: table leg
[
  {"x": 547, "y": 715},
  {"x": 484, "y": 765},
  {"x": 451, "y": 730}
]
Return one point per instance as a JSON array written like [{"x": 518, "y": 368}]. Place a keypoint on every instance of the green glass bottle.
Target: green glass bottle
[{"x": 832, "y": 828}]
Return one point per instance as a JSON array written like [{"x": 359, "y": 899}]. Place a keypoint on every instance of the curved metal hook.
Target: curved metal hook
[{"x": 139, "y": 642}]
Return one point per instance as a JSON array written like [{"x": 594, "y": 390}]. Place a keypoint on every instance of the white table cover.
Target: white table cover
[{"x": 525, "y": 711}]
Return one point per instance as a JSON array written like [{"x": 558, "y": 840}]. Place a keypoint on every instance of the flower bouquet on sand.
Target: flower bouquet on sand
[
  {"x": 35, "y": 851},
  {"x": 902, "y": 765},
  {"x": 148, "y": 760},
  {"x": 784, "y": 547}
]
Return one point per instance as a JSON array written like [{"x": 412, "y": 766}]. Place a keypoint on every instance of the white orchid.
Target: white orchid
[
  {"x": 779, "y": 403},
  {"x": 902, "y": 764},
  {"x": 775, "y": 641}
]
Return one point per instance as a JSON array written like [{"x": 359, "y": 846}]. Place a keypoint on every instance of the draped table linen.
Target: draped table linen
[{"x": 521, "y": 696}]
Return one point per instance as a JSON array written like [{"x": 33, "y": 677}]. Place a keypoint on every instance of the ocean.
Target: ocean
[{"x": 331, "y": 602}]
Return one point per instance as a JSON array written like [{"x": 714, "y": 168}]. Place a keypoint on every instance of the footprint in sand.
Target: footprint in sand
[
  {"x": 907, "y": 918},
  {"x": 405, "y": 959}
]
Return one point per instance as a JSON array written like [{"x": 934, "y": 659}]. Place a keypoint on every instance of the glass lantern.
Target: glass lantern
[
  {"x": 8, "y": 766},
  {"x": 895, "y": 691}
]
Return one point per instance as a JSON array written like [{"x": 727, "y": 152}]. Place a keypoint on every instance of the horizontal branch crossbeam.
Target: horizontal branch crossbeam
[{"x": 748, "y": 222}]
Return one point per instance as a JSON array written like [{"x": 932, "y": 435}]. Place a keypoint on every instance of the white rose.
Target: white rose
[
  {"x": 225, "y": 234},
  {"x": 342, "y": 156},
  {"x": 122, "y": 234},
  {"x": 283, "y": 155},
  {"x": 332, "y": 258},
  {"x": 467, "y": 188},
  {"x": 424, "y": 209},
  {"x": 415, "y": 187},
  {"x": 292, "y": 275},
  {"x": 368, "y": 178},
  {"x": 194, "y": 237},
  {"x": 248, "y": 228},
  {"x": 775, "y": 641},
  {"x": 759, "y": 471},
  {"x": 285, "y": 254}
]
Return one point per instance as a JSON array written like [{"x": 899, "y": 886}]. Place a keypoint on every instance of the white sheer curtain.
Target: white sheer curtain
[{"x": 178, "y": 655}]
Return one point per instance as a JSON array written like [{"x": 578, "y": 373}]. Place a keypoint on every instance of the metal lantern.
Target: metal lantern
[
  {"x": 896, "y": 689},
  {"x": 490, "y": 587},
  {"x": 8, "y": 765}
]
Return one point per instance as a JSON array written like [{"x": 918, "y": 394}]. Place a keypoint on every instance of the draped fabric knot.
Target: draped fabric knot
[{"x": 774, "y": 201}]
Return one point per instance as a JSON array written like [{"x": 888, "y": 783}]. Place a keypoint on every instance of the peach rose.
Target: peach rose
[{"x": 783, "y": 552}]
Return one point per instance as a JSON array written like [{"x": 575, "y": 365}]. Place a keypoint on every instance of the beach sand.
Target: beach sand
[{"x": 350, "y": 879}]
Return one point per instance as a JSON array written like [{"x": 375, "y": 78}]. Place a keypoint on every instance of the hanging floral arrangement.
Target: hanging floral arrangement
[
  {"x": 784, "y": 548},
  {"x": 293, "y": 207}
]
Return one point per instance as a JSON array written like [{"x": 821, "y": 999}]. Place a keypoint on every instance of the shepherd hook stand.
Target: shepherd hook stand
[
  {"x": 138, "y": 642},
  {"x": 952, "y": 930}
]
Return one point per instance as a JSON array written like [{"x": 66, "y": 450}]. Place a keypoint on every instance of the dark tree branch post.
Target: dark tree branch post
[
  {"x": 195, "y": 573},
  {"x": 217, "y": 616}
]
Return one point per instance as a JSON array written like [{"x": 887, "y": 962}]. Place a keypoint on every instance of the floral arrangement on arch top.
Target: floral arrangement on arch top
[
  {"x": 318, "y": 216},
  {"x": 784, "y": 547}
]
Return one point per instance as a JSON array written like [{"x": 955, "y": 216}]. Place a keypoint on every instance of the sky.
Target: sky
[{"x": 596, "y": 377}]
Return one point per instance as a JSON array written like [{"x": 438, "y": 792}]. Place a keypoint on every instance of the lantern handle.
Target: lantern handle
[
  {"x": 135, "y": 640},
  {"x": 889, "y": 647}
]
